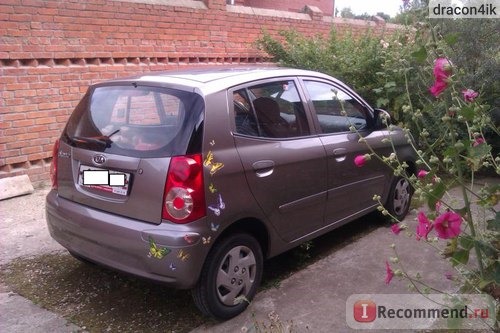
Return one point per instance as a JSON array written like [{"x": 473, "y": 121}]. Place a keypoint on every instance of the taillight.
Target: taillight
[
  {"x": 184, "y": 195},
  {"x": 53, "y": 165}
]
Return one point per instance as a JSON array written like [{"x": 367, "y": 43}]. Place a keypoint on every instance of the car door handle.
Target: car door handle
[
  {"x": 339, "y": 154},
  {"x": 263, "y": 168}
]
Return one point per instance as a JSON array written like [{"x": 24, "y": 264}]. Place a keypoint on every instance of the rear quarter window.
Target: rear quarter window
[{"x": 137, "y": 121}]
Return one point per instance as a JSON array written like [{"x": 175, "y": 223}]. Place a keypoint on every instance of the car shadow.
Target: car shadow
[{"x": 285, "y": 264}]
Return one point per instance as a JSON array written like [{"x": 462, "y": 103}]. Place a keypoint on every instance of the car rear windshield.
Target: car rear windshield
[{"x": 140, "y": 121}]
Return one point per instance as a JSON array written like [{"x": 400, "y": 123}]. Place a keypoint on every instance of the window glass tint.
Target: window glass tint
[
  {"x": 123, "y": 119},
  {"x": 336, "y": 110},
  {"x": 272, "y": 110}
]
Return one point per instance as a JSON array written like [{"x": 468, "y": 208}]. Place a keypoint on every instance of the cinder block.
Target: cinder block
[{"x": 15, "y": 186}]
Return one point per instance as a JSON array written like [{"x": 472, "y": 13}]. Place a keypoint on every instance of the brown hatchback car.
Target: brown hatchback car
[{"x": 193, "y": 178}]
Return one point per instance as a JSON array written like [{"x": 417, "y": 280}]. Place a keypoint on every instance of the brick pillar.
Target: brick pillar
[
  {"x": 313, "y": 11},
  {"x": 215, "y": 4}
]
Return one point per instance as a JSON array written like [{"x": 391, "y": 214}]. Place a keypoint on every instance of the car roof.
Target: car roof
[{"x": 213, "y": 79}]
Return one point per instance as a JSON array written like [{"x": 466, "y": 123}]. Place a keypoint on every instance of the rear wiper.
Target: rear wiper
[
  {"x": 95, "y": 140},
  {"x": 102, "y": 140}
]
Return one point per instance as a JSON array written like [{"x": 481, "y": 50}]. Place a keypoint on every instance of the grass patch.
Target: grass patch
[{"x": 97, "y": 299}]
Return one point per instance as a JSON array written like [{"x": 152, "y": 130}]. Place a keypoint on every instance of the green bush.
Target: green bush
[
  {"x": 394, "y": 71},
  {"x": 354, "y": 61}
]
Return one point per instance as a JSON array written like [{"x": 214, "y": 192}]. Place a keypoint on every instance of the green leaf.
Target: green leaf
[
  {"x": 487, "y": 249},
  {"x": 484, "y": 283},
  {"x": 382, "y": 102},
  {"x": 496, "y": 272},
  {"x": 450, "y": 248},
  {"x": 494, "y": 225},
  {"x": 420, "y": 55},
  {"x": 479, "y": 151},
  {"x": 451, "y": 39},
  {"x": 390, "y": 84},
  {"x": 466, "y": 242},
  {"x": 435, "y": 195},
  {"x": 492, "y": 273},
  {"x": 467, "y": 112},
  {"x": 460, "y": 257}
]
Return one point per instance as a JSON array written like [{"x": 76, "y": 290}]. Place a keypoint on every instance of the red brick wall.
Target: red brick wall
[{"x": 50, "y": 51}]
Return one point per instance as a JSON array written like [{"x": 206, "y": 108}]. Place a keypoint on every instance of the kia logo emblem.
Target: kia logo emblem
[{"x": 99, "y": 159}]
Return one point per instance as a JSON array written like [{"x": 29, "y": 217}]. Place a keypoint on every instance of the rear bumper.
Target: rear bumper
[{"x": 168, "y": 253}]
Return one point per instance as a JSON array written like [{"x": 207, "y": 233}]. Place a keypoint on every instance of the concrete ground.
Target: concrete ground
[
  {"x": 24, "y": 234},
  {"x": 310, "y": 300}
]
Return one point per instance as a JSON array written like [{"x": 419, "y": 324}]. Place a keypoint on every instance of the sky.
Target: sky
[{"x": 371, "y": 7}]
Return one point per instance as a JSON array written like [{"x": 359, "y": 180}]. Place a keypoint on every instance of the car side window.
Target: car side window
[
  {"x": 336, "y": 110},
  {"x": 270, "y": 110}
]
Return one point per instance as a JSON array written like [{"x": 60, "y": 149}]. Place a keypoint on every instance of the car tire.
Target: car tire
[
  {"x": 230, "y": 277},
  {"x": 399, "y": 200}
]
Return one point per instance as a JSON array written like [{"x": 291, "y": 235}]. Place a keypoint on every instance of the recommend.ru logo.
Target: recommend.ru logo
[{"x": 416, "y": 311}]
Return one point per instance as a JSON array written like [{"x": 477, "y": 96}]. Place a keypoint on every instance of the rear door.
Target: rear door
[
  {"x": 115, "y": 150},
  {"x": 284, "y": 164},
  {"x": 350, "y": 189}
]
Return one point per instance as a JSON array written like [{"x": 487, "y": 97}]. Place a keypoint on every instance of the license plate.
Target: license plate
[{"x": 104, "y": 180}]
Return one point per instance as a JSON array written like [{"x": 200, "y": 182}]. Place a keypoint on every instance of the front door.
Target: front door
[
  {"x": 350, "y": 188},
  {"x": 284, "y": 164}
]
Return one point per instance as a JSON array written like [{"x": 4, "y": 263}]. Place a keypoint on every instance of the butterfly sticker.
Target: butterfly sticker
[
  {"x": 155, "y": 251},
  {"x": 182, "y": 255},
  {"x": 212, "y": 143},
  {"x": 217, "y": 208},
  {"x": 172, "y": 266},
  {"x": 206, "y": 240},
  {"x": 214, "y": 227},
  {"x": 212, "y": 188},
  {"x": 209, "y": 163}
]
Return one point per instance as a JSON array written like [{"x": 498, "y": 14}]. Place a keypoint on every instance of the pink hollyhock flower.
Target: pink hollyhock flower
[
  {"x": 389, "y": 272},
  {"x": 442, "y": 69},
  {"x": 448, "y": 225},
  {"x": 469, "y": 95},
  {"x": 424, "y": 226},
  {"x": 437, "y": 88},
  {"x": 360, "y": 160},
  {"x": 396, "y": 228},
  {"x": 422, "y": 173},
  {"x": 478, "y": 141}
]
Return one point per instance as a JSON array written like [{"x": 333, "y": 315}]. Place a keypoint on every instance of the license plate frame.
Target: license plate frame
[{"x": 113, "y": 176}]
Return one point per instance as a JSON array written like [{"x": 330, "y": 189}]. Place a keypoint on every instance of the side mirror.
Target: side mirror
[{"x": 382, "y": 118}]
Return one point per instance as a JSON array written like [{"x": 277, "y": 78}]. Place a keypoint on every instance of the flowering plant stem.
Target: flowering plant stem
[{"x": 468, "y": 213}]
